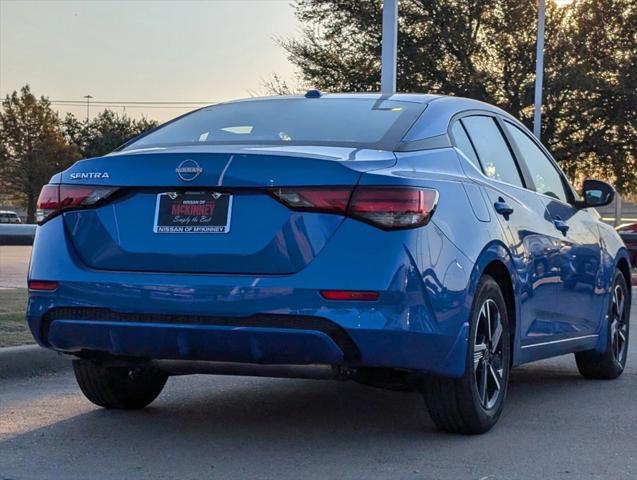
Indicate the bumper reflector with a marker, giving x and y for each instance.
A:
(349, 295)
(43, 285)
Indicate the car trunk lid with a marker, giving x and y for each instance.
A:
(262, 236)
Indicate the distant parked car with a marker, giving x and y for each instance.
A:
(629, 236)
(7, 216)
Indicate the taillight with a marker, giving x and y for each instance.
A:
(389, 208)
(54, 199)
(393, 207)
(315, 199)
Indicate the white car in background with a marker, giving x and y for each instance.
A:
(7, 216)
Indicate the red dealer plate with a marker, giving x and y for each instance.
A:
(207, 212)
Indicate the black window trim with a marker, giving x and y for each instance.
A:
(455, 141)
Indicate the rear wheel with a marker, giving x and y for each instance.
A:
(118, 387)
(473, 403)
(611, 363)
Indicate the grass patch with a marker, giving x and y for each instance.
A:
(13, 324)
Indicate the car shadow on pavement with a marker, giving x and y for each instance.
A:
(262, 408)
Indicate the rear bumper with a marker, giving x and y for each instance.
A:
(418, 323)
(201, 342)
(261, 339)
(265, 339)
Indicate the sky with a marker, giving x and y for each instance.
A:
(143, 51)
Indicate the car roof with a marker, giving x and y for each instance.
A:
(449, 101)
(8, 211)
(398, 97)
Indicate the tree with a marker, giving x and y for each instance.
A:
(104, 133)
(594, 128)
(32, 146)
(485, 49)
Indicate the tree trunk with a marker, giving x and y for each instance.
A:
(31, 204)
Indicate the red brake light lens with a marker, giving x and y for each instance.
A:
(315, 199)
(54, 199)
(393, 207)
(389, 208)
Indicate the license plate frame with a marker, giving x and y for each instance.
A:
(192, 213)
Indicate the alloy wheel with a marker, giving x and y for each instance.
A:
(619, 325)
(488, 365)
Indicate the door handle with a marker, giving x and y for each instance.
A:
(503, 208)
(561, 225)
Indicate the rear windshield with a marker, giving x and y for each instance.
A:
(363, 123)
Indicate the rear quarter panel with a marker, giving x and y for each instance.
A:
(463, 237)
(462, 214)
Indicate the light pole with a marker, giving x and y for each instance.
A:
(539, 68)
(88, 102)
(389, 44)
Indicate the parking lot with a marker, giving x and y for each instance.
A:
(556, 425)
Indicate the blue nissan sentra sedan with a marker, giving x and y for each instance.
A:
(404, 241)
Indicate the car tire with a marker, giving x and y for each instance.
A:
(118, 387)
(611, 363)
(467, 404)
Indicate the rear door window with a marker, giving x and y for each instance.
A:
(546, 177)
(495, 156)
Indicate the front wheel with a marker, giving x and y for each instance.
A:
(473, 403)
(118, 387)
(611, 363)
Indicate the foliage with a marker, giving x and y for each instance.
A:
(485, 49)
(104, 133)
(32, 146)
(275, 85)
(35, 143)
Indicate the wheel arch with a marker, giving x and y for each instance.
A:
(496, 261)
(623, 265)
(499, 272)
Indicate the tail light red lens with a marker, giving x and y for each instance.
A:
(54, 199)
(389, 208)
(315, 199)
(393, 207)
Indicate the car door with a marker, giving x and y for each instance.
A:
(580, 287)
(528, 230)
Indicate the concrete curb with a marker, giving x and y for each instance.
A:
(30, 361)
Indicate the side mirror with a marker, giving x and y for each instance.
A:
(596, 194)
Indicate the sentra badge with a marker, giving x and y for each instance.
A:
(84, 175)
